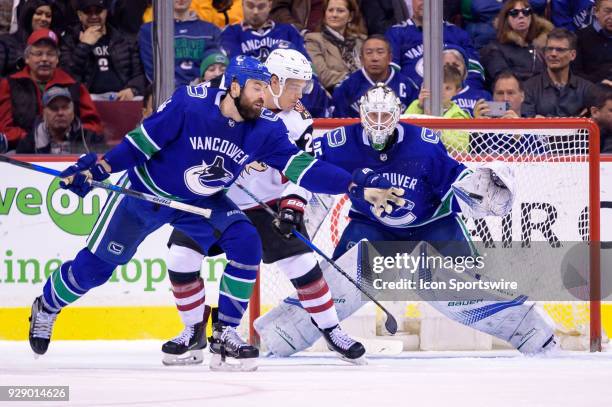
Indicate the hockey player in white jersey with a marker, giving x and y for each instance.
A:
(437, 188)
(291, 72)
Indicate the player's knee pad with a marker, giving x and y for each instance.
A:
(183, 278)
(89, 270)
(181, 259)
(314, 274)
(241, 244)
(298, 266)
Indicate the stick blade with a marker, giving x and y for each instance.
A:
(391, 324)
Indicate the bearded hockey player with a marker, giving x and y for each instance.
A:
(195, 145)
(436, 189)
(291, 72)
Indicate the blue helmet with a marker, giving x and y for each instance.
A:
(242, 68)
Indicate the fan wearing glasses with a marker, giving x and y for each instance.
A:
(557, 92)
(521, 37)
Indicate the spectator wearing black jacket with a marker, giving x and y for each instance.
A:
(601, 113)
(382, 14)
(100, 57)
(34, 15)
(557, 92)
(594, 49)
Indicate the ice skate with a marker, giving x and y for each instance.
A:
(186, 349)
(41, 327)
(349, 350)
(230, 352)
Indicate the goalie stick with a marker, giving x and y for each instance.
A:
(390, 322)
(115, 188)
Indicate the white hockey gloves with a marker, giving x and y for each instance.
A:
(376, 190)
(488, 191)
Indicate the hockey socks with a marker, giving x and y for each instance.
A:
(189, 299)
(235, 290)
(316, 299)
(73, 279)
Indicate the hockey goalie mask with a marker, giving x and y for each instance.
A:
(380, 110)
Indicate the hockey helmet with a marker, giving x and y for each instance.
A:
(242, 68)
(286, 64)
(380, 111)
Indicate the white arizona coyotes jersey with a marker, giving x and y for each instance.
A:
(267, 183)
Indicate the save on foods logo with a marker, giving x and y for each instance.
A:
(70, 213)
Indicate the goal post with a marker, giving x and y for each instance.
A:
(539, 149)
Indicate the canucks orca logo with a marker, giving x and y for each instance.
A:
(399, 217)
(208, 179)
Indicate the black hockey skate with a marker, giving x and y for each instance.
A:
(230, 352)
(186, 349)
(349, 349)
(41, 326)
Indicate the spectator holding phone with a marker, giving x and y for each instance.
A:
(507, 89)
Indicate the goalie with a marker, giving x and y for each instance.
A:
(437, 188)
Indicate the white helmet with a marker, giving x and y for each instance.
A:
(380, 111)
(288, 64)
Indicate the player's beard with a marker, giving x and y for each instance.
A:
(246, 108)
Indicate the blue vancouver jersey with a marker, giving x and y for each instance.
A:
(572, 14)
(188, 150)
(192, 38)
(417, 162)
(406, 41)
(468, 96)
(238, 39)
(350, 90)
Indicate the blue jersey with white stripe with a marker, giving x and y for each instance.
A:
(350, 90)
(417, 162)
(188, 149)
(238, 39)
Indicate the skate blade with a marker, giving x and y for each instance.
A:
(231, 364)
(360, 361)
(192, 357)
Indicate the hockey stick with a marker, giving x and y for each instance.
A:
(115, 188)
(390, 323)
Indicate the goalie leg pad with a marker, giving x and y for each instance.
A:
(288, 328)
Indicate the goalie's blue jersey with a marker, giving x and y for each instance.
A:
(417, 162)
(189, 150)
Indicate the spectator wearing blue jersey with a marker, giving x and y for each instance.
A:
(557, 92)
(212, 66)
(521, 37)
(406, 41)
(192, 38)
(470, 91)
(572, 14)
(335, 48)
(257, 35)
(594, 47)
(376, 59)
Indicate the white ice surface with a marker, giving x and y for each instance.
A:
(130, 373)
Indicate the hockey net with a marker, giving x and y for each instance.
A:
(556, 164)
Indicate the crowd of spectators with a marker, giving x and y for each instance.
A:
(542, 58)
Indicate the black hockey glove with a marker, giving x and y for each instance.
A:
(290, 215)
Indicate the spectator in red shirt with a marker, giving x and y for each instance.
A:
(21, 93)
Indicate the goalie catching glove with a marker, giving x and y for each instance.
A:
(488, 191)
(290, 215)
(76, 177)
(376, 190)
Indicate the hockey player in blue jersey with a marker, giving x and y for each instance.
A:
(190, 150)
(257, 35)
(436, 188)
(376, 60)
